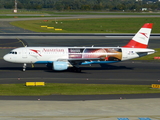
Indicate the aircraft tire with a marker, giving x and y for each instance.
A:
(75, 69)
(78, 70)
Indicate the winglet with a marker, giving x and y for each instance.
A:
(141, 39)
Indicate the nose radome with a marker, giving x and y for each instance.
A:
(6, 58)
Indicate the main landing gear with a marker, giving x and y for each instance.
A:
(24, 67)
(76, 69)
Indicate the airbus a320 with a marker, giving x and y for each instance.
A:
(62, 58)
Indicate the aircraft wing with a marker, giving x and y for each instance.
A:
(78, 61)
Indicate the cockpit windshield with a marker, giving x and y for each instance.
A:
(13, 52)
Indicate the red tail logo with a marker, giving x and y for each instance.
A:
(36, 51)
(145, 34)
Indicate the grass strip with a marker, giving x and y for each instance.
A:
(73, 89)
(103, 25)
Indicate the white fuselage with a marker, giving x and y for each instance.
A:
(44, 55)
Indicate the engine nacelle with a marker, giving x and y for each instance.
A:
(59, 65)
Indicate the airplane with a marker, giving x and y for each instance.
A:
(62, 58)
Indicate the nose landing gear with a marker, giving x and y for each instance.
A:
(24, 67)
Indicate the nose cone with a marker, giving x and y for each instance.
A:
(7, 58)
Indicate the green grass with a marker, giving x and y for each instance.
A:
(74, 89)
(103, 25)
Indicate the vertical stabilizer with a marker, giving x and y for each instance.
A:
(141, 38)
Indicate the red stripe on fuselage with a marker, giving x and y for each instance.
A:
(134, 44)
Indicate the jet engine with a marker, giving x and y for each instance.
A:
(60, 65)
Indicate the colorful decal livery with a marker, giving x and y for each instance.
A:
(105, 54)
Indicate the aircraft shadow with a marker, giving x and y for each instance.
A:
(11, 68)
(107, 67)
(102, 67)
(20, 68)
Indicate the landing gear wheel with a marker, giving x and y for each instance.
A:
(75, 69)
(78, 70)
(24, 67)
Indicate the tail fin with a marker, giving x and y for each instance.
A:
(141, 39)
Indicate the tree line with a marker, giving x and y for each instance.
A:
(78, 5)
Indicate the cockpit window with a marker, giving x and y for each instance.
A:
(12, 52)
